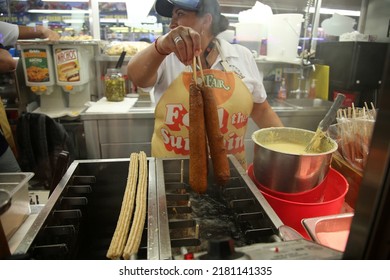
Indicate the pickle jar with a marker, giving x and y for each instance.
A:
(114, 84)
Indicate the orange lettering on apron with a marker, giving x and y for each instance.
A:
(170, 136)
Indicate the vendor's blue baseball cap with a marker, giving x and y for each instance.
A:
(165, 7)
(220, 23)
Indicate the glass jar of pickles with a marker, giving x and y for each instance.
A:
(114, 84)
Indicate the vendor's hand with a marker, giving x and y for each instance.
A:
(183, 41)
(50, 34)
(7, 63)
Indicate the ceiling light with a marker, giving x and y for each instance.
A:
(44, 11)
(76, 21)
(113, 20)
(65, 1)
(336, 11)
(230, 15)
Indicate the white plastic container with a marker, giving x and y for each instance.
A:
(251, 31)
(283, 36)
(251, 35)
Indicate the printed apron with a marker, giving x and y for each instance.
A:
(6, 129)
(234, 101)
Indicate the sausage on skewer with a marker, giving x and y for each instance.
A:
(215, 138)
(198, 143)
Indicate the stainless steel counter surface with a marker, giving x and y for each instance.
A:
(119, 110)
(117, 134)
(146, 108)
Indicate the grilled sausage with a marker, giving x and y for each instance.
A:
(215, 138)
(198, 143)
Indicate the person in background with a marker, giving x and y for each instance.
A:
(194, 29)
(10, 33)
(8, 162)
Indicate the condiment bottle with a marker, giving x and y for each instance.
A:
(282, 95)
(114, 84)
(312, 90)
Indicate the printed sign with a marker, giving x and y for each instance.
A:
(68, 65)
(37, 69)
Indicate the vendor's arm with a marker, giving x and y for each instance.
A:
(142, 68)
(264, 116)
(40, 32)
(7, 62)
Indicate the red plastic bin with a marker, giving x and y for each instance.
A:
(291, 212)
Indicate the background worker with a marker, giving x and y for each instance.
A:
(10, 33)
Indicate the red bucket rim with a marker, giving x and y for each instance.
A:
(332, 172)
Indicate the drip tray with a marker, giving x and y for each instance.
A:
(189, 220)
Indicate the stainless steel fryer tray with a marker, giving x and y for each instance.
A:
(177, 167)
(152, 219)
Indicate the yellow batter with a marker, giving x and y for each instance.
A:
(290, 148)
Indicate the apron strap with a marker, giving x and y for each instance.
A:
(224, 62)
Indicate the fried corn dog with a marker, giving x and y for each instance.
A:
(198, 143)
(139, 218)
(119, 238)
(218, 152)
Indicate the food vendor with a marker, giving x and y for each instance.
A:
(230, 69)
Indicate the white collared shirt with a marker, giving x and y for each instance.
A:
(9, 34)
(239, 58)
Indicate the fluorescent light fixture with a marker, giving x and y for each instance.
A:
(111, 1)
(113, 20)
(44, 11)
(65, 1)
(74, 21)
(156, 28)
(230, 15)
(336, 11)
(120, 29)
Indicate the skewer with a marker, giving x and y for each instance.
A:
(366, 106)
(182, 171)
(373, 110)
(354, 128)
(201, 70)
(194, 69)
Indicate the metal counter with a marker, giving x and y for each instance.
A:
(116, 135)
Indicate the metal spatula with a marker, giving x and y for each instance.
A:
(324, 124)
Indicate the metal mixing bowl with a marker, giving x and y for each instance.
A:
(287, 171)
